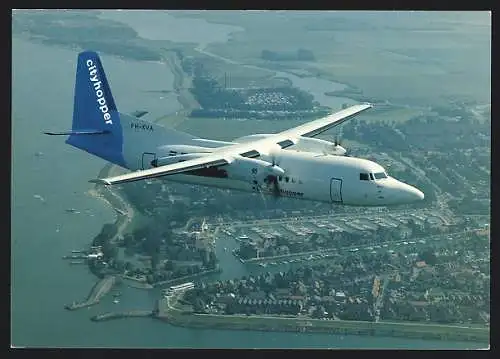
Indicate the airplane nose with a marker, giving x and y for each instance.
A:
(419, 195)
(405, 193)
(411, 194)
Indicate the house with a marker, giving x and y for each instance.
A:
(434, 294)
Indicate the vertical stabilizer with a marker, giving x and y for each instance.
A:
(95, 111)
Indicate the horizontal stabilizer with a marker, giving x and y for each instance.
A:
(77, 132)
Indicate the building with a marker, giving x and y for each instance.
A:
(179, 288)
(203, 239)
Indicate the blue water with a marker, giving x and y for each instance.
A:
(41, 282)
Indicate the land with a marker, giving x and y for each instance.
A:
(414, 271)
(100, 289)
(170, 310)
(420, 49)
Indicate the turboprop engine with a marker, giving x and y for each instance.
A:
(251, 169)
(241, 168)
(305, 144)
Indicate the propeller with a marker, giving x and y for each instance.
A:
(338, 149)
(274, 179)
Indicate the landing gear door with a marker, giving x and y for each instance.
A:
(336, 190)
(147, 158)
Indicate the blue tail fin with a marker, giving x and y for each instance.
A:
(95, 111)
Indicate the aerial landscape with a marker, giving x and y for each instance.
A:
(200, 265)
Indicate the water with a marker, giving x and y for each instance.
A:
(162, 25)
(41, 282)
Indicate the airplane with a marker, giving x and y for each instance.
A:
(291, 163)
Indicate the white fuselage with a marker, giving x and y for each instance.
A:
(310, 176)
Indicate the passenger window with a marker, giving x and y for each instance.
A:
(293, 180)
(363, 176)
(280, 178)
(371, 177)
(287, 179)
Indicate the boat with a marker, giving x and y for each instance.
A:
(37, 196)
(116, 301)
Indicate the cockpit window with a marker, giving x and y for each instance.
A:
(364, 177)
(380, 175)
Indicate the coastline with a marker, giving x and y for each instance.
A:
(124, 212)
(178, 317)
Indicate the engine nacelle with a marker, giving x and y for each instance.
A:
(305, 144)
(168, 160)
(241, 168)
(251, 169)
(316, 145)
(183, 149)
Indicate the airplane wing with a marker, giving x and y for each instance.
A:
(225, 155)
(314, 128)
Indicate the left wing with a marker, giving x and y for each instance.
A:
(225, 155)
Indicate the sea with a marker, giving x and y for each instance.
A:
(49, 177)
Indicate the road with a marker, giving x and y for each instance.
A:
(229, 61)
(380, 298)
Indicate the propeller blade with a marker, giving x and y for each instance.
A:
(276, 188)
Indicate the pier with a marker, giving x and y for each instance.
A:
(118, 315)
(101, 288)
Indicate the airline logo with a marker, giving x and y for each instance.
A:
(101, 100)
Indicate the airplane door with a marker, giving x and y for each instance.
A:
(147, 157)
(336, 190)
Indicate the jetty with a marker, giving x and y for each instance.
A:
(100, 289)
(119, 315)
